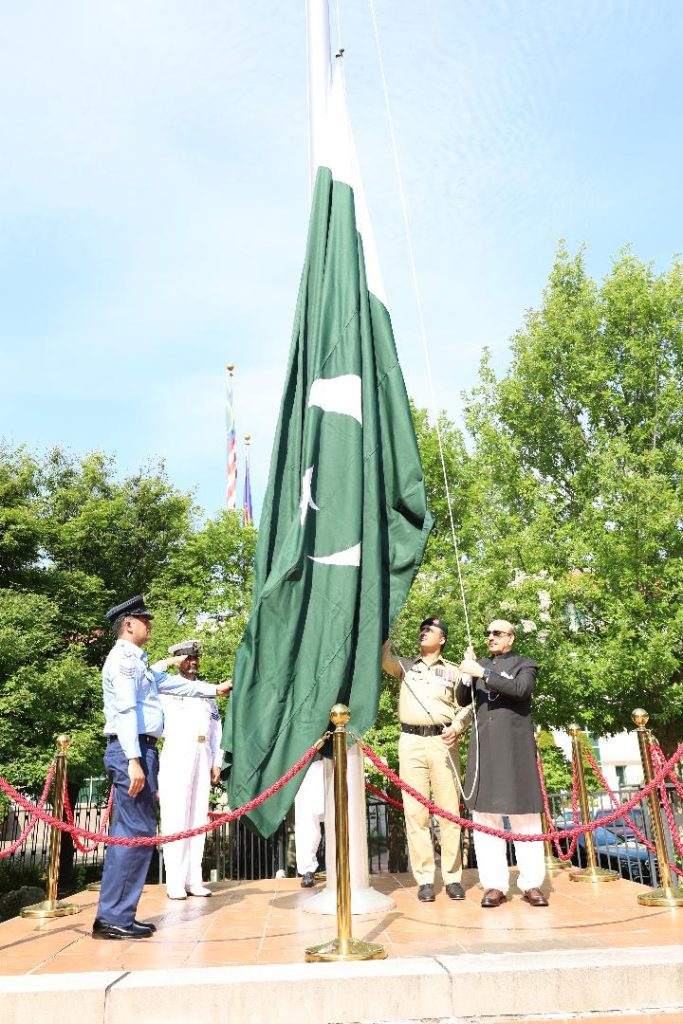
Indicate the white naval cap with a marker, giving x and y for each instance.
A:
(186, 648)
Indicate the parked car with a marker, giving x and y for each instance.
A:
(616, 845)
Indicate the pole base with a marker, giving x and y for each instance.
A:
(354, 949)
(95, 886)
(553, 866)
(594, 875)
(662, 898)
(50, 908)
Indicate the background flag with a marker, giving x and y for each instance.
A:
(344, 521)
(231, 471)
(246, 500)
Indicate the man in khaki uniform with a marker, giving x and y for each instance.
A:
(431, 723)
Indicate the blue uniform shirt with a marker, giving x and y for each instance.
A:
(131, 695)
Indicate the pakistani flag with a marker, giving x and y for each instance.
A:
(344, 523)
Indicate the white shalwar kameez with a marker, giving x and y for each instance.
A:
(192, 738)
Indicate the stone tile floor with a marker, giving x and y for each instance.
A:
(264, 922)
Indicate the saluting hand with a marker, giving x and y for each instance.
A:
(223, 689)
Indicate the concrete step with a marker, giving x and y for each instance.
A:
(472, 988)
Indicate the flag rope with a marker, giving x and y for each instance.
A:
(420, 315)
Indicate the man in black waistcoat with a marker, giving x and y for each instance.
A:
(507, 778)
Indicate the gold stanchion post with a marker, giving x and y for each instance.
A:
(552, 863)
(52, 907)
(591, 873)
(344, 947)
(668, 895)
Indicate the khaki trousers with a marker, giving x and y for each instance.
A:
(424, 765)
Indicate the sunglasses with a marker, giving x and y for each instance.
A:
(497, 632)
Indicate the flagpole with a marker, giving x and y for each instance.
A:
(364, 899)
(319, 77)
(231, 440)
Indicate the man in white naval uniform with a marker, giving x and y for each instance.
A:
(309, 812)
(189, 764)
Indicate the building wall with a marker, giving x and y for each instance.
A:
(618, 757)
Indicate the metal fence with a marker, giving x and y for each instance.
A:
(236, 851)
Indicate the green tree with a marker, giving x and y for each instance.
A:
(578, 453)
(76, 539)
(567, 504)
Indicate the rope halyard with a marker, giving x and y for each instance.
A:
(420, 315)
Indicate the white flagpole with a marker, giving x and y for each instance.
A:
(364, 899)
(319, 78)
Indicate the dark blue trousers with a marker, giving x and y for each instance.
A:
(125, 867)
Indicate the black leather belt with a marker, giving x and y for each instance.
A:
(422, 730)
(143, 737)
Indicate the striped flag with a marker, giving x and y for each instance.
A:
(231, 475)
(246, 501)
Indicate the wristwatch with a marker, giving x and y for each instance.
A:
(486, 674)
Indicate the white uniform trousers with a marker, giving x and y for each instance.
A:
(184, 786)
(309, 811)
(491, 851)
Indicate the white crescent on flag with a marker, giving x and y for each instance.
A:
(341, 395)
(338, 394)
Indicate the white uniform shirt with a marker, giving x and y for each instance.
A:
(192, 720)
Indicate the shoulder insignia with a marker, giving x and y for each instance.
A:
(215, 714)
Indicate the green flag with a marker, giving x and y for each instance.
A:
(344, 522)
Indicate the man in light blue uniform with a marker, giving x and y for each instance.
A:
(134, 721)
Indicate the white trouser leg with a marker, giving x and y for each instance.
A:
(530, 856)
(197, 815)
(175, 780)
(309, 809)
(491, 851)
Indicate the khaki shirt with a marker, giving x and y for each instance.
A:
(430, 691)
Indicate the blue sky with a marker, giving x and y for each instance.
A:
(154, 193)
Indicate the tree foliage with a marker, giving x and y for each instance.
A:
(74, 540)
(566, 499)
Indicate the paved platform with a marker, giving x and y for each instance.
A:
(593, 949)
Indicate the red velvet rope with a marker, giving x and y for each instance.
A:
(103, 823)
(103, 837)
(575, 809)
(34, 819)
(658, 759)
(552, 835)
(383, 796)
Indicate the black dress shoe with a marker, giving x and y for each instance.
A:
(307, 880)
(455, 891)
(493, 898)
(425, 893)
(535, 898)
(140, 927)
(146, 924)
(104, 930)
